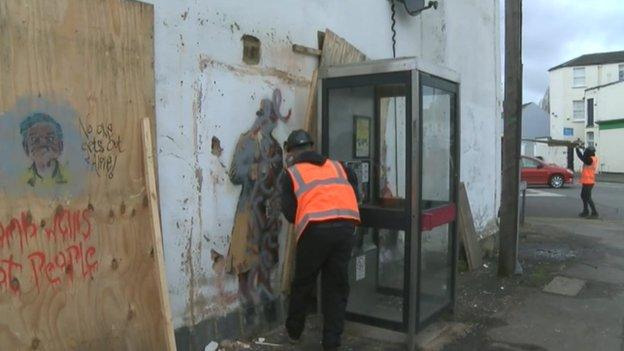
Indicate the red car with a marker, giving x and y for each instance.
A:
(536, 172)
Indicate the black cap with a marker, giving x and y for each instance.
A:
(298, 138)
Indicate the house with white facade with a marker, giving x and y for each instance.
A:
(605, 124)
(570, 111)
(229, 90)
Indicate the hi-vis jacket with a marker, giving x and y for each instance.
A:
(323, 193)
(588, 175)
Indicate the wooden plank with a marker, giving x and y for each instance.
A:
(467, 231)
(149, 166)
(310, 121)
(77, 248)
(335, 50)
(304, 50)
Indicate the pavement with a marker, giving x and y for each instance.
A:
(570, 296)
(611, 177)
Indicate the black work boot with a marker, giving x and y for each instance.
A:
(594, 215)
(584, 214)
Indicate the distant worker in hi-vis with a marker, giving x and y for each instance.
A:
(588, 180)
(319, 197)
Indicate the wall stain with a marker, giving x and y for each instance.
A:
(190, 270)
(216, 148)
(200, 179)
(197, 110)
(234, 26)
(285, 77)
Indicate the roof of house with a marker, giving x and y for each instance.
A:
(605, 85)
(535, 122)
(600, 58)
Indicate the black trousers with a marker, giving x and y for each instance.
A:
(325, 248)
(586, 196)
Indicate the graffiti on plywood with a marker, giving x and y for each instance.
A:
(102, 146)
(40, 150)
(42, 140)
(69, 231)
(253, 251)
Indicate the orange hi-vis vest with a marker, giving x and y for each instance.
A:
(588, 175)
(323, 193)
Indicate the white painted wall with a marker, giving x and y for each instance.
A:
(608, 102)
(203, 89)
(609, 150)
(608, 106)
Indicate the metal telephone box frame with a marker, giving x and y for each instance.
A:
(414, 72)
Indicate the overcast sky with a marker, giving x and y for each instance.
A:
(556, 31)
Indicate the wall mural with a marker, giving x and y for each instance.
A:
(40, 150)
(254, 247)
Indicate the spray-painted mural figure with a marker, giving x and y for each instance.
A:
(42, 139)
(254, 247)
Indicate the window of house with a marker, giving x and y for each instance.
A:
(621, 69)
(578, 110)
(568, 131)
(579, 76)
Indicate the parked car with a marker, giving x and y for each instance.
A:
(537, 172)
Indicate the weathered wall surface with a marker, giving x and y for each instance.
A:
(608, 106)
(208, 101)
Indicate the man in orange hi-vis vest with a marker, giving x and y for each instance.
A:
(588, 180)
(319, 197)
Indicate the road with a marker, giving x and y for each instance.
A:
(566, 202)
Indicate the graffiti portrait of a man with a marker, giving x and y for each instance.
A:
(42, 140)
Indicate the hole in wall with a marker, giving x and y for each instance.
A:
(251, 49)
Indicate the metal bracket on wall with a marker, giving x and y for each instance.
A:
(413, 8)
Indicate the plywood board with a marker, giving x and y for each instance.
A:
(335, 51)
(467, 231)
(338, 51)
(78, 261)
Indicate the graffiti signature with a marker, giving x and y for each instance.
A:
(102, 148)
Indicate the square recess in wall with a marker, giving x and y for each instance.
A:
(251, 49)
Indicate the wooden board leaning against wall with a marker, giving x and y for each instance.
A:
(335, 51)
(78, 265)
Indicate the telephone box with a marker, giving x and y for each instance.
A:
(396, 122)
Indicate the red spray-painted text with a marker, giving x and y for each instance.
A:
(69, 230)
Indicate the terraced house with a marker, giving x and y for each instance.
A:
(586, 103)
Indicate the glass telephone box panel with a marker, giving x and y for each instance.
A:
(396, 127)
(437, 192)
(366, 127)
